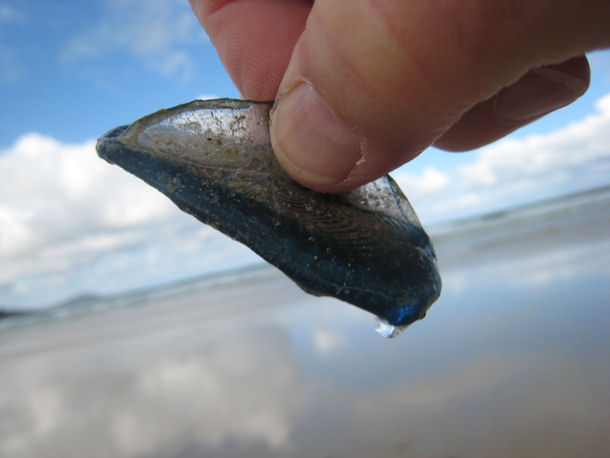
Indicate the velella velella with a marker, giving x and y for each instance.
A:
(214, 160)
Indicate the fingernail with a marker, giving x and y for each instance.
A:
(539, 92)
(310, 141)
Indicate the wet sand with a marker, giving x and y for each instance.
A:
(512, 361)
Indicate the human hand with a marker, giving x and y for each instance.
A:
(363, 86)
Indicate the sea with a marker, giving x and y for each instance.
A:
(512, 360)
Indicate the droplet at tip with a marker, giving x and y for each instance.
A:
(387, 330)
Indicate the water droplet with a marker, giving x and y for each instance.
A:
(386, 329)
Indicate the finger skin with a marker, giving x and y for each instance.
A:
(401, 75)
(254, 38)
(482, 124)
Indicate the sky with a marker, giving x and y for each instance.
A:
(71, 224)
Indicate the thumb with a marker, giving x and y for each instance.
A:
(371, 86)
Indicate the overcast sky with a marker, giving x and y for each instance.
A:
(71, 70)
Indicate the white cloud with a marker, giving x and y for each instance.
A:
(431, 182)
(207, 97)
(580, 143)
(70, 223)
(155, 31)
(53, 193)
(515, 171)
(61, 209)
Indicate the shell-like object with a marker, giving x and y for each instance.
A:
(213, 158)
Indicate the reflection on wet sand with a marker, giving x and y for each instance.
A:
(199, 386)
(512, 361)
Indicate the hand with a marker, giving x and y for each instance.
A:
(363, 86)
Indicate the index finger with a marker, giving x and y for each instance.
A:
(254, 39)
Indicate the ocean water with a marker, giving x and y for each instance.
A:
(513, 360)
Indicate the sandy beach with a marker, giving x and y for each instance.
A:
(511, 361)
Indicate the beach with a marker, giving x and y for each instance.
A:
(512, 360)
